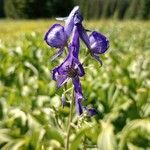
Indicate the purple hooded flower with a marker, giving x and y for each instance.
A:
(71, 68)
(57, 36)
(96, 42)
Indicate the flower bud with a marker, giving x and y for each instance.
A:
(56, 36)
(98, 43)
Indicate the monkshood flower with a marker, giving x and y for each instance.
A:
(71, 68)
(57, 36)
(96, 42)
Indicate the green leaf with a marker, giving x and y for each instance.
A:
(106, 139)
(78, 136)
(52, 133)
(132, 131)
(4, 136)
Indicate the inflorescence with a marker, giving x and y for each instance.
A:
(58, 37)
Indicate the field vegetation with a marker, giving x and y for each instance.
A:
(31, 113)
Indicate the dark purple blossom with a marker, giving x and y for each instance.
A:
(57, 36)
(71, 68)
(96, 42)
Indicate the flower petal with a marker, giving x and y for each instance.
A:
(61, 79)
(98, 42)
(78, 95)
(69, 24)
(83, 35)
(79, 108)
(74, 51)
(75, 39)
(82, 32)
(78, 18)
(79, 67)
(61, 18)
(56, 36)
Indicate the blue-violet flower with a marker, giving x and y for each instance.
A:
(71, 68)
(57, 36)
(96, 42)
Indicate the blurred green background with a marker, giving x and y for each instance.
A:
(91, 9)
(31, 114)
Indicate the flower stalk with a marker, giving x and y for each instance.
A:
(69, 122)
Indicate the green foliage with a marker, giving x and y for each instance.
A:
(106, 139)
(31, 115)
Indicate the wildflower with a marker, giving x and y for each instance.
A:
(71, 68)
(57, 36)
(96, 42)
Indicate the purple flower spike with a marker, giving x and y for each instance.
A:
(71, 68)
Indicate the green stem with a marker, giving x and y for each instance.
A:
(69, 123)
(84, 143)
